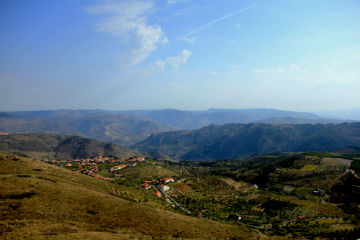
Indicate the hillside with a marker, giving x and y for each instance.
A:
(47, 145)
(240, 140)
(122, 129)
(74, 206)
(311, 195)
(197, 119)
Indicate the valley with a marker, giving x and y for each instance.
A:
(179, 119)
(295, 195)
(231, 181)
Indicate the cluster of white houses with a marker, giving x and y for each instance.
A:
(161, 187)
(132, 163)
(90, 166)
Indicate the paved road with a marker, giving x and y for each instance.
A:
(172, 200)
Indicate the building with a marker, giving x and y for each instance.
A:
(167, 180)
(119, 167)
(158, 194)
(147, 186)
(136, 159)
(164, 187)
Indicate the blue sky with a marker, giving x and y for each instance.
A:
(185, 54)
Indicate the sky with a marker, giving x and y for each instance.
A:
(300, 55)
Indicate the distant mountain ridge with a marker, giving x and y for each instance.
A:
(242, 140)
(197, 119)
(292, 120)
(121, 129)
(61, 147)
(127, 128)
(353, 114)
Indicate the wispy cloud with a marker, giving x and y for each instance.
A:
(307, 76)
(174, 61)
(231, 42)
(191, 39)
(214, 21)
(128, 20)
(175, 1)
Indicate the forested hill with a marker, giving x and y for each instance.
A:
(60, 147)
(241, 140)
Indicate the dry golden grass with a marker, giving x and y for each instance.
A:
(40, 201)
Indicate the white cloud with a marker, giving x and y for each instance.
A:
(128, 20)
(174, 61)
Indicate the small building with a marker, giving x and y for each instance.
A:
(68, 164)
(164, 187)
(147, 186)
(167, 180)
(136, 158)
(119, 167)
(158, 194)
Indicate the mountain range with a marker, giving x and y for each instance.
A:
(48, 145)
(231, 141)
(127, 128)
(118, 128)
(198, 119)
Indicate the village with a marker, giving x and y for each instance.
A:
(90, 167)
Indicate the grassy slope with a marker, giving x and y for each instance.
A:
(42, 201)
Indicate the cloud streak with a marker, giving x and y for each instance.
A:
(129, 21)
(214, 21)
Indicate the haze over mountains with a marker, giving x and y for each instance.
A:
(47, 145)
(243, 140)
(353, 114)
(129, 127)
(197, 119)
(122, 129)
(208, 135)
